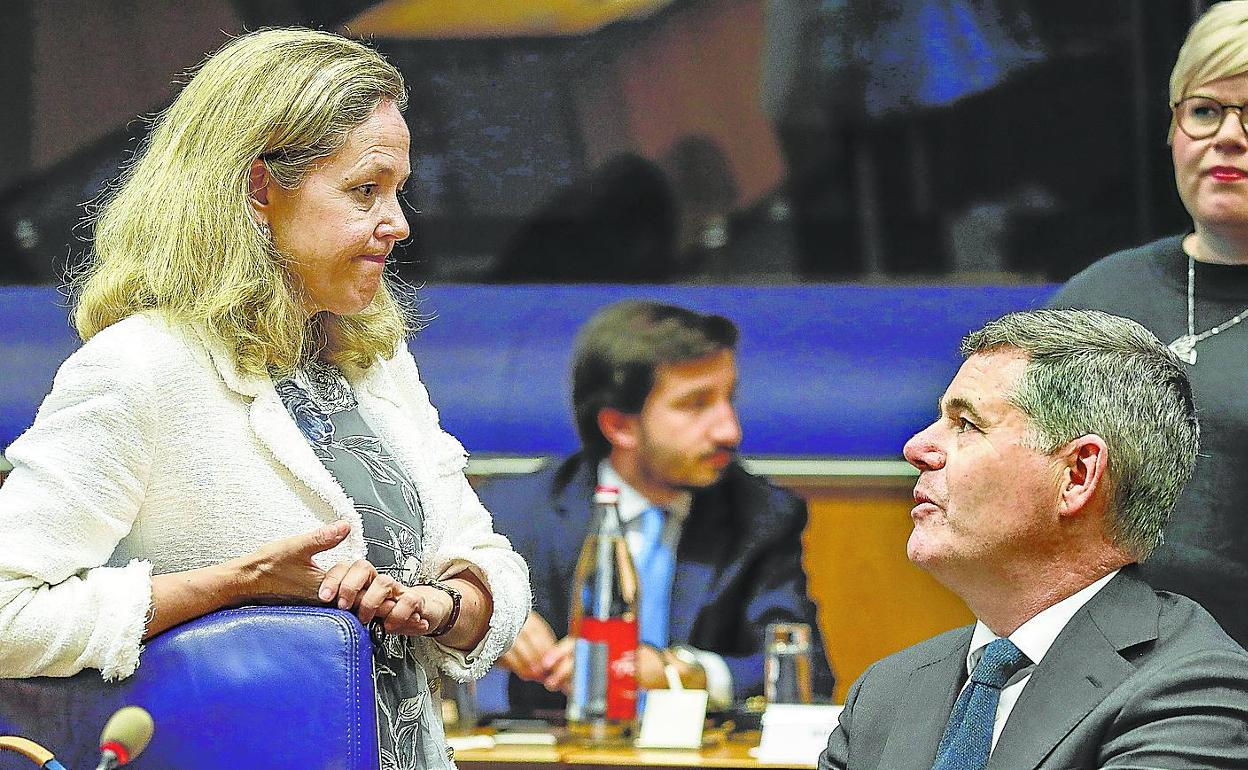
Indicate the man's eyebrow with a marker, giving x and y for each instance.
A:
(959, 404)
(696, 392)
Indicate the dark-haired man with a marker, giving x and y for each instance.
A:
(1054, 460)
(718, 550)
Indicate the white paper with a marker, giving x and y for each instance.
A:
(525, 739)
(673, 719)
(469, 742)
(796, 733)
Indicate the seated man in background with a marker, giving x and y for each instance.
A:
(1058, 452)
(718, 550)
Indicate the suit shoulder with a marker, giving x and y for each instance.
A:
(884, 684)
(1185, 625)
(523, 484)
(522, 497)
(937, 648)
(750, 504)
(740, 482)
(139, 346)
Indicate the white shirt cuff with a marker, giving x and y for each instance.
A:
(718, 679)
(465, 659)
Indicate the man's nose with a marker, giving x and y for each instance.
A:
(923, 452)
(727, 428)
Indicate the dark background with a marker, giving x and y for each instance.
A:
(661, 149)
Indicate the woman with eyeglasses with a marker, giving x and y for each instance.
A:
(1191, 290)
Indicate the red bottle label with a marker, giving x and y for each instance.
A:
(620, 636)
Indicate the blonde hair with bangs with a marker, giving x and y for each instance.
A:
(1216, 47)
(177, 234)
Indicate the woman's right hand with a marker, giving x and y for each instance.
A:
(283, 570)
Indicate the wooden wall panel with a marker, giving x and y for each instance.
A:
(872, 600)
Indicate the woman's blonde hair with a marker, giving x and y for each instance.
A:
(1216, 47)
(176, 233)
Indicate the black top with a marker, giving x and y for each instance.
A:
(1205, 552)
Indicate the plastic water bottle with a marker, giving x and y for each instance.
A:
(602, 706)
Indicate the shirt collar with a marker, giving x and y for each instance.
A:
(632, 502)
(1037, 635)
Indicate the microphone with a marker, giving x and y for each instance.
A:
(124, 737)
(31, 751)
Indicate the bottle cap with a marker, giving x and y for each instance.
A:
(604, 494)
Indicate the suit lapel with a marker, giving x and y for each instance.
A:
(690, 586)
(693, 578)
(574, 502)
(1082, 667)
(928, 700)
(702, 569)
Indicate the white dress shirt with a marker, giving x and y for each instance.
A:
(631, 505)
(1034, 638)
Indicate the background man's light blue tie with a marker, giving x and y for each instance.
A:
(968, 736)
(655, 566)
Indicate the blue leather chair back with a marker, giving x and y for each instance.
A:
(272, 687)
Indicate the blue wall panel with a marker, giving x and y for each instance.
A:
(829, 371)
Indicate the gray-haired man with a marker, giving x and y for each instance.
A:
(1056, 457)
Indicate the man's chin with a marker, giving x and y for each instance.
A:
(702, 479)
(921, 552)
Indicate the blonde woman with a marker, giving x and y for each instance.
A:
(1191, 290)
(244, 421)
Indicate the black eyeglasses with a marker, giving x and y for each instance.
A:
(1200, 117)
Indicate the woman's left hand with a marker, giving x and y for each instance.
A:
(410, 610)
(416, 611)
(358, 587)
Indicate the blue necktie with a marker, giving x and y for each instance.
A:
(655, 566)
(968, 736)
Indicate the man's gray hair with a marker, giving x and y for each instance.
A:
(1090, 372)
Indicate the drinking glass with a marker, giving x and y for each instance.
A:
(787, 664)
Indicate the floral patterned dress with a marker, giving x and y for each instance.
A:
(320, 401)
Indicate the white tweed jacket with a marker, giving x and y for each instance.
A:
(153, 453)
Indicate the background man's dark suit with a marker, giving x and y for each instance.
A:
(1137, 679)
(738, 566)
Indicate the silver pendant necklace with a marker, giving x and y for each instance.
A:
(1185, 347)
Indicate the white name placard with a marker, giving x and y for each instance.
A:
(673, 719)
(796, 732)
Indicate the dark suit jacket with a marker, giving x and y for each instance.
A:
(1137, 679)
(738, 566)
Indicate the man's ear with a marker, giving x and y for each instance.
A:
(618, 428)
(258, 181)
(1084, 473)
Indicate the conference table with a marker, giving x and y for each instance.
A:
(732, 754)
